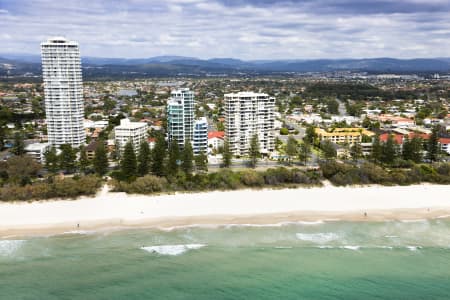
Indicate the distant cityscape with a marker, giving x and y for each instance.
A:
(237, 122)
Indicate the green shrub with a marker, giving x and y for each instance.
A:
(251, 178)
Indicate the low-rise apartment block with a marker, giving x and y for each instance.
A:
(136, 132)
(348, 136)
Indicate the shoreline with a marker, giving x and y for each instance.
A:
(110, 211)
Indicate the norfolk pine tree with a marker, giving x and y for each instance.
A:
(18, 144)
(83, 162)
(226, 154)
(201, 162)
(143, 159)
(186, 157)
(67, 158)
(100, 161)
(433, 144)
(253, 151)
(51, 160)
(128, 164)
(174, 158)
(159, 155)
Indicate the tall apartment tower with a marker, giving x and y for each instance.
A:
(180, 116)
(247, 114)
(63, 91)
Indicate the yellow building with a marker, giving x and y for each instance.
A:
(343, 135)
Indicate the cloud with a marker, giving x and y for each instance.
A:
(254, 29)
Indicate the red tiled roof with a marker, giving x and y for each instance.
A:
(444, 140)
(216, 134)
(398, 138)
(424, 136)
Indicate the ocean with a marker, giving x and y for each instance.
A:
(305, 260)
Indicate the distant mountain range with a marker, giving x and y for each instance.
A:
(95, 67)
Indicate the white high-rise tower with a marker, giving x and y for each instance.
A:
(63, 89)
(248, 114)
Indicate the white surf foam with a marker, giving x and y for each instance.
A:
(9, 247)
(391, 236)
(443, 217)
(319, 238)
(415, 221)
(172, 250)
(311, 222)
(413, 248)
(354, 248)
(83, 232)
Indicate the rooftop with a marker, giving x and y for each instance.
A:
(127, 124)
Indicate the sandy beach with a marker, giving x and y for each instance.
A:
(110, 211)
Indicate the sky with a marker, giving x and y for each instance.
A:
(253, 29)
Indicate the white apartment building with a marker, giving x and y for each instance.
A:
(200, 137)
(37, 151)
(180, 116)
(63, 91)
(247, 114)
(136, 132)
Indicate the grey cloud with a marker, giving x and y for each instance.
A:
(241, 29)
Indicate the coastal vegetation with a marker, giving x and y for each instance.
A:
(224, 179)
(52, 188)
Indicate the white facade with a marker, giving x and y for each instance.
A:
(180, 116)
(215, 143)
(136, 132)
(200, 138)
(37, 151)
(247, 114)
(63, 90)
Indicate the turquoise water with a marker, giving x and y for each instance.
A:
(323, 260)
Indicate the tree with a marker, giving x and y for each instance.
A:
(333, 107)
(433, 144)
(201, 162)
(100, 160)
(186, 157)
(51, 160)
(291, 148)
(18, 144)
(226, 155)
(83, 162)
(310, 134)
(128, 164)
(143, 159)
(356, 151)
(159, 155)
(304, 152)
(366, 122)
(388, 151)
(253, 151)
(376, 149)
(67, 158)
(412, 149)
(284, 131)
(174, 158)
(20, 169)
(3, 130)
(328, 150)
